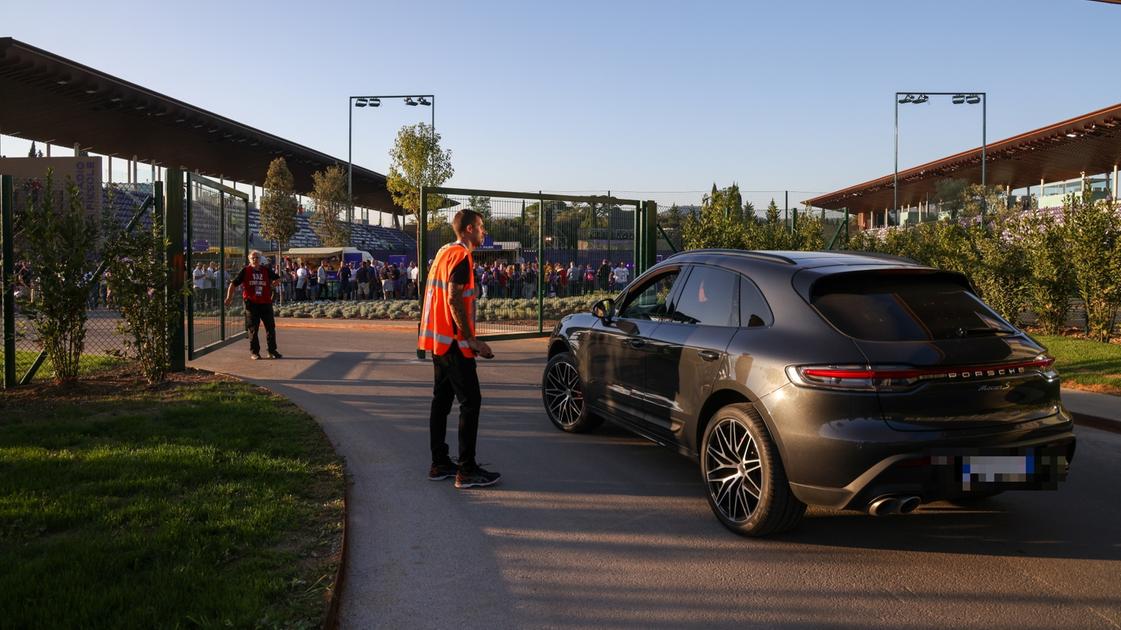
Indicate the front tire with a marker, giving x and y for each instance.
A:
(562, 392)
(743, 474)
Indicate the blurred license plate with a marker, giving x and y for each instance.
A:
(1029, 470)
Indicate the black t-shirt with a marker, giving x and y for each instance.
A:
(256, 284)
(362, 275)
(461, 274)
(344, 273)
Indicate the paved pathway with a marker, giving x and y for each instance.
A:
(606, 530)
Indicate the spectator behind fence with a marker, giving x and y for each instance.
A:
(414, 278)
(362, 277)
(344, 281)
(622, 275)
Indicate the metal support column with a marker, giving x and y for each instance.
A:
(222, 265)
(190, 266)
(422, 258)
(6, 281)
(171, 205)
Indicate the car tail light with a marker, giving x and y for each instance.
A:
(886, 378)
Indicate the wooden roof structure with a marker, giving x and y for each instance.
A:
(50, 98)
(1089, 144)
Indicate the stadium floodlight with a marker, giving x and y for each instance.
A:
(957, 98)
(360, 102)
(410, 102)
(424, 101)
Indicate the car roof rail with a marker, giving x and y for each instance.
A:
(889, 257)
(745, 253)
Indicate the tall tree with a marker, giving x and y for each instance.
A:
(278, 203)
(330, 199)
(417, 160)
(479, 204)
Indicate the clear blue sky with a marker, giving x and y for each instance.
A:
(622, 96)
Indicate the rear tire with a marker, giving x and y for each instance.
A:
(743, 474)
(562, 393)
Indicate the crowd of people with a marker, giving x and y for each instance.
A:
(519, 280)
(335, 280)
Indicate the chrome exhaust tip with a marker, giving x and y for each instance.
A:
(883, 506)
(908, 504)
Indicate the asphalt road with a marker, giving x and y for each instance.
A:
(609, 531)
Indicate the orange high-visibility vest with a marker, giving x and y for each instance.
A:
(437, 333)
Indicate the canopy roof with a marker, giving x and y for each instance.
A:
(1088, 144)
(50, 98)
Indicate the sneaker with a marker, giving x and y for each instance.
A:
(273, 354)
(254, 356)
(475, 478)
(442, 471)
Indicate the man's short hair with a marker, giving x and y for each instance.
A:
(256, 251)
(464, 218)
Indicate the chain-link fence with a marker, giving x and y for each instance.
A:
(123, 206)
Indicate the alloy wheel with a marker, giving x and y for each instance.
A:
(564, 396)
(733, 470)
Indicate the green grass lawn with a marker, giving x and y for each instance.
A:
(88, 364)
(1086, 364)
(203, 502)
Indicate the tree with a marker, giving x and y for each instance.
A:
(331, 200)
(279, 204)
(416, 160)
(1094, 250)
(479, 204)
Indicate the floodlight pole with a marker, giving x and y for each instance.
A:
(428, 100)
(909, 97)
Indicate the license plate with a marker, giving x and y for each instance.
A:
(1031, 470)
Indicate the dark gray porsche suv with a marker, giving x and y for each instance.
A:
(841, 380)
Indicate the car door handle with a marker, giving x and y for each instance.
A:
(636, 343)
(709, 355)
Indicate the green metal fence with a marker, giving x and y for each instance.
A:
(217, 241)
(542, 252)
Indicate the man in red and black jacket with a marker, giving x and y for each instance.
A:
(256, 282)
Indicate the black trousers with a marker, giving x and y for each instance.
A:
(255, 315)
(456, 378)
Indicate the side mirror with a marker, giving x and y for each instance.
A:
(604, 309)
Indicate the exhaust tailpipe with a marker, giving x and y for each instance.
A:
(908, 504)
(883, 506)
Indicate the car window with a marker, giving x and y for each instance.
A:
(904, 307)
(754, 311)
(650, 301)
(709, 298)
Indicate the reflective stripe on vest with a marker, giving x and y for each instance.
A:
(437, 330)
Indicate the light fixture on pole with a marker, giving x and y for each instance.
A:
(957, 98)
(428, 100)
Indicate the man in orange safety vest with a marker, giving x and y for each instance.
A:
(447, 330)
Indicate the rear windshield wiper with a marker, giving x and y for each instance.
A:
(983, 330)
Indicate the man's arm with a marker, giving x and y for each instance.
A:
(459, 316)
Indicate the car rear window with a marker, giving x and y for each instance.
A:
(902, 306)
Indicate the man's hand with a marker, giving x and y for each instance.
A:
(228, 300)
(480, 348)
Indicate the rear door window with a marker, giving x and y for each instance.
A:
(893, 306)
(754, 311)
(709, 298)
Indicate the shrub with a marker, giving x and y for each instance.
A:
(1050, 278)
(1095, 259)
(60, 236)
(138, 279)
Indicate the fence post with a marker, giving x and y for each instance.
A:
(636, 239)
(651, 229)
(6, 278)
(189, 218)
(540, 264)
(422, 259)
(171, 205)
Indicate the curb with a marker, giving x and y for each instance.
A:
(1094, 422)
(331, 619)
